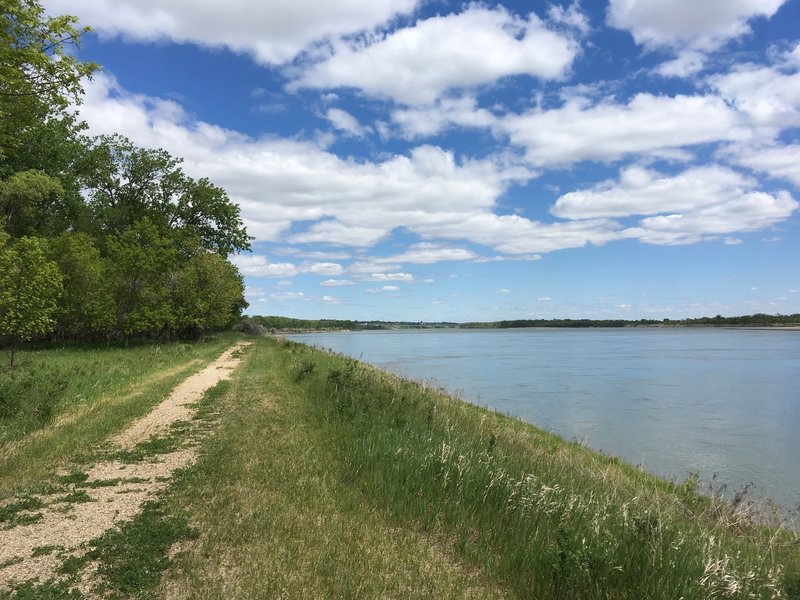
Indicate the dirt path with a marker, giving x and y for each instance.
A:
(111, 492)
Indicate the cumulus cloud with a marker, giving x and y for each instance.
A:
(768, 95)
(344, 121)
(257, 265)
(324, 268)
(390, 277)
(272, 32)
(336, 282)
(427, 253)
(298, 192)
(609, 131)
(419, 64)
(688, 27)
(698, 204)
(749, 212)
(431, 119)
(776, 160)
(642, 191)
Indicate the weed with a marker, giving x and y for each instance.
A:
(41, 591)
(44, 550)
(11, 561)
(18, 512)
(132, 557)
(77, 496)
(76, 477)
(304, 371)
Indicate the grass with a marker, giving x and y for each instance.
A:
(58, 405)
(323, 477)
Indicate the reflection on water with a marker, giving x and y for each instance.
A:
(712, 401)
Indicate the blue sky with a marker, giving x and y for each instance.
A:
(435, 160)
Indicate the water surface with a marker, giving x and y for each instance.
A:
(722, 403)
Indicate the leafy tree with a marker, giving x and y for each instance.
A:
(127, 184)
(39, 73)
(29, 288)
(209, 294)
(204, 212)
(86, 307)
(29, 203)
(143, 261)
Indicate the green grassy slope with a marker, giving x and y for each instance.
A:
(329, 478)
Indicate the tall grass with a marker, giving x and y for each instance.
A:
(547, 518)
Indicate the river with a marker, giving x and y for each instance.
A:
(722, 403)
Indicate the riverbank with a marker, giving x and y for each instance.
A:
(319, 476)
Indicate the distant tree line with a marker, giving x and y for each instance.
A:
(274, 324)
(757, 320)
(259, 325)
(99, 238)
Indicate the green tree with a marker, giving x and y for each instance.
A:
(86, 308)
(29, 203)
(39, 73)
(209, 294)
(29, 288)
(127, 184)
(142, 263)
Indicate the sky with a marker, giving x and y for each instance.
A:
(429, 160)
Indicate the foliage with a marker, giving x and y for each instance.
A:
(128, 184)
(129, 231)
(209, 293)
(27, 202)
(29, 287)
(39, 73)
(86, 308)
(143, 262)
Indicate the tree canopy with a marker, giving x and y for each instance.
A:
(99, 238)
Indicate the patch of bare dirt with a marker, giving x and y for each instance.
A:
(64, 527)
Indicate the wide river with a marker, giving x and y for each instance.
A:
(723, 403)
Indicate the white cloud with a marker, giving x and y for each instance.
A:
(390, 277)
(383, 290)
(570, 17)
(417, 65)
(513, 234)
(335, 232)
(748, 212)
(692, 28)
(776, 161)
(332, 300)
(272, 32)
(609, 131)
(700, 203)
(344, 121)
(427, 253)
(257, 265)
(323, 268)
(504, 291)
(429, 191)
(768, 95)
(289, 296)
(428, 120)
(642, 191)
(336, 282)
